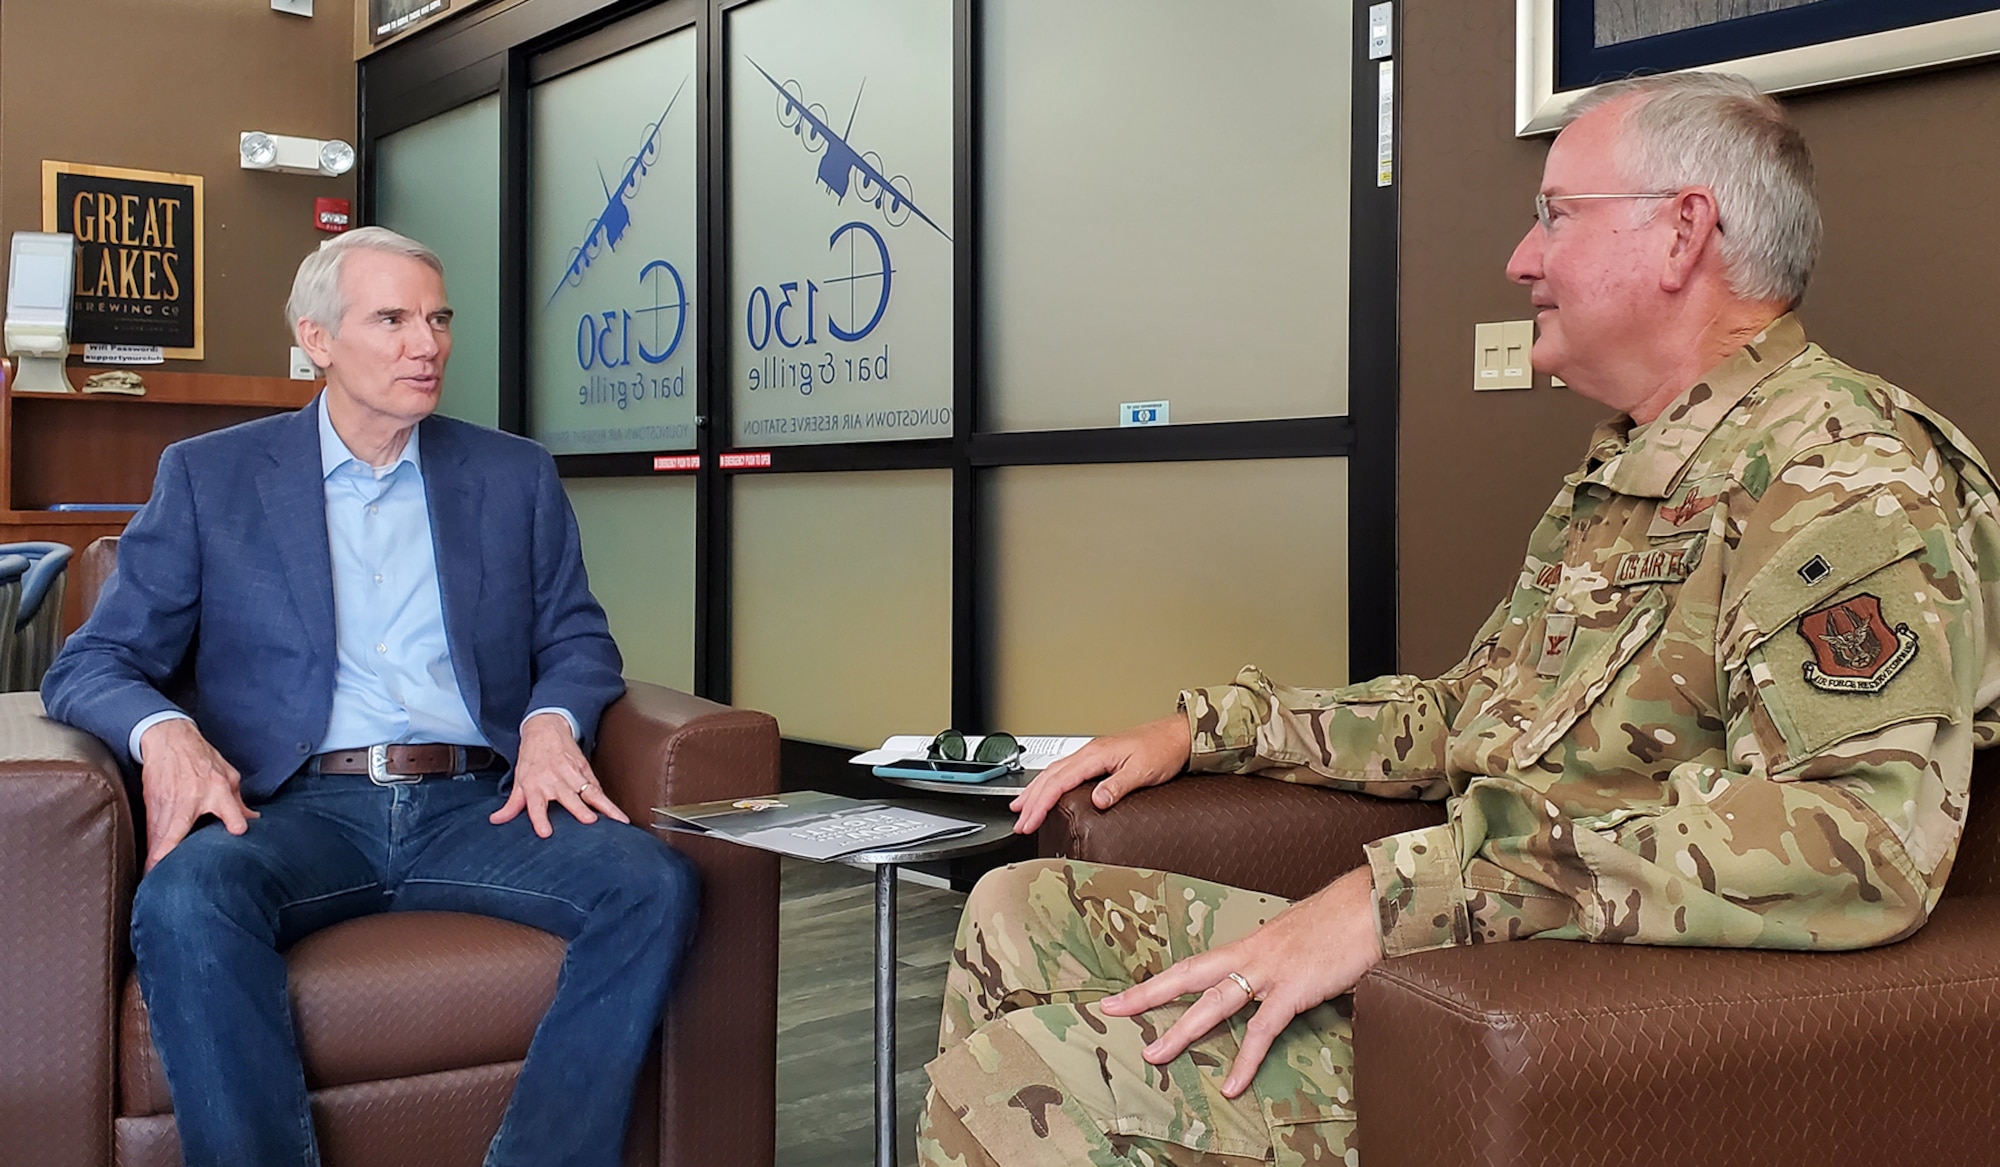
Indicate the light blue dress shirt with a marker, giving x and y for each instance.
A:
(393, 681)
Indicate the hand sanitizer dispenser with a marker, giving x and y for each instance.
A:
(39, 277)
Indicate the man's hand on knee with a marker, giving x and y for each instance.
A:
(184, 778)
(1144, 756)
(552, 769)
(1312, 952)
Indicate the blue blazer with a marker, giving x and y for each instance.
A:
(230, 558)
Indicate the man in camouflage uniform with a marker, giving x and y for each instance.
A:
(1731, 700)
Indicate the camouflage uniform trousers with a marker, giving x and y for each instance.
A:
(1031, 1073)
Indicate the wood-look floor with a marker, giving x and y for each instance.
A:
(826, 1018)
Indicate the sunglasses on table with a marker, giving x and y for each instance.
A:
(993, 749)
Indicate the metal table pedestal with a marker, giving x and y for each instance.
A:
(997, 832)
(885, 1015)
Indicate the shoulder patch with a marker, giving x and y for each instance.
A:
(1854, 649)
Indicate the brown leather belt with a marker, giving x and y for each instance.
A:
(398, 763)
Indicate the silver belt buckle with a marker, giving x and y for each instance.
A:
(378, 769)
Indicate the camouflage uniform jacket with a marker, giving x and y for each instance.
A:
(1732, 699)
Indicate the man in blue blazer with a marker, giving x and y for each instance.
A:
(397, 666)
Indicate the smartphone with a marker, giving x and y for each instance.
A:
(941, 771)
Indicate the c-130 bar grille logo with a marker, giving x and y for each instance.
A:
(842, 167)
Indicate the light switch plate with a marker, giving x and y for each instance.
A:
(295, 7)
(1500, 355)
(302, 366)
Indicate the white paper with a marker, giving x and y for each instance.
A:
(1041, 752)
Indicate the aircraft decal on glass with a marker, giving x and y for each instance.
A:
(610, 225)
(843, 164)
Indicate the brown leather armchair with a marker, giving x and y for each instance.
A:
(413, 1025)
(1557, 1054)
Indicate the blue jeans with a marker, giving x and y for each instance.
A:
(210, 922)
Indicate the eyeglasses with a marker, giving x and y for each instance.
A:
(1542, 201)
(993, 749)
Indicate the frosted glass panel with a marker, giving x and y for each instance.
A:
(439, 182)
(638, 545)
(842, 603)
(1165, 210)
(1111, 588)
(840, 171)
(611, 334)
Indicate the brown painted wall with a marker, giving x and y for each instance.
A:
(1909, 175)
(169, 86)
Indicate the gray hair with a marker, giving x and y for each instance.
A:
(316, 289)
(1720, 131)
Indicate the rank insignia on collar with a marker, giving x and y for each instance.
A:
(1815, 570)
(1854, 649)
(1558, 631)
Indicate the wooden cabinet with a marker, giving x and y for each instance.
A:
(104, 447)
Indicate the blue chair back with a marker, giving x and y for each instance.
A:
(35, 619)
(12, 568)
(46, 564)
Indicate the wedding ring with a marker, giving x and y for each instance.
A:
(1243, 983)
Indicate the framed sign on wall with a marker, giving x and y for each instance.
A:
(1564, 47)
(380, 23)
(386, 18)
(139, 254)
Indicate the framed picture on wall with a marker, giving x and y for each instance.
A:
(379, 22)
(1565, 47)
(139, 278)
(386, 18)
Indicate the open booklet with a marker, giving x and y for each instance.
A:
(1040, 753)
(811, 825)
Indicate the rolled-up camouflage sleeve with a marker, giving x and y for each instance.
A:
(1384, 737)
(1853, 647)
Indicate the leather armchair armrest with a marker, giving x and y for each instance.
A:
(66, 877)
(1256, 833)
(1558, 1053)
(718, 1070)
(93, 571)
(657, 747)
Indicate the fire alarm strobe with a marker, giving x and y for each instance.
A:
(330, 214)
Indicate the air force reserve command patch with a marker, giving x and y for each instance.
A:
(1854, 649)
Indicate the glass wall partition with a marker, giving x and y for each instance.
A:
(927, 362)
(842, 603)
(840, 220)
(1110, 588)
(612, 252)
(1165, 208)
(439, 182)
(638, 544)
